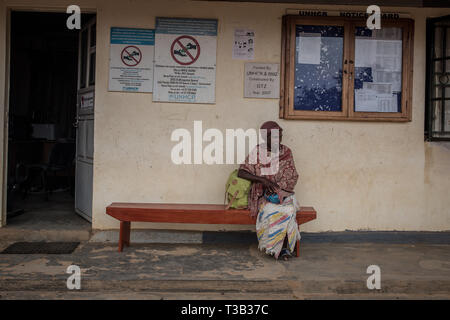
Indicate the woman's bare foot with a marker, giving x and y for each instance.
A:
(285, 254)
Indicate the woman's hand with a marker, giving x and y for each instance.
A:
(269, 185)
(282, 194)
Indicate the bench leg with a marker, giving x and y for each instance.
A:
(127, 233)
(124, 234)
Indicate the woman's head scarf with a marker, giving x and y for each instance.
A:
(269, 125)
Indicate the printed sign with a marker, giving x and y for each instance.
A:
(244, 44)
(131, 56)
(344, 13)
(87, 100)
(185, 60)
(185, 50)
(131, 60)
(262, 80)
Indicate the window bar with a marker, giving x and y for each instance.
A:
(431, 90)
(444, 51)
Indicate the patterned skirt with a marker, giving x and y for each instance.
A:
(274, 223)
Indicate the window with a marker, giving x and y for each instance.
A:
(437, 115)
(84, 41)
(87, 47)
(336, 68)
(93, 40)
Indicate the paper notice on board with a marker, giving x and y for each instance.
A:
(379, 54)
(395, 78)
(389, 47)
(244, 44)
(382, 88)
(367, 100)
(309, 49)
(365, 53)
(389, 63)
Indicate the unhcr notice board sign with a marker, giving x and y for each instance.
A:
(131, 60)
(344, 13)
(185, 60)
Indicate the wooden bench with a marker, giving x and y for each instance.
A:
(186, 213)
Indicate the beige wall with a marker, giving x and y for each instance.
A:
(359, 176)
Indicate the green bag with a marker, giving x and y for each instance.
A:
(236, 191)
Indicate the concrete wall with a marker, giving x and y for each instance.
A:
(358, 175)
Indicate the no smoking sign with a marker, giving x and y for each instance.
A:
(185, 50)
(131, 56)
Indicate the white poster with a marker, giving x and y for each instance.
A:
(262, 80)
(185, 60)
(244, 44)
(309, 48)
(131, 60)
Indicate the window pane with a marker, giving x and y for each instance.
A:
(93, 35)
(436, 116)
(84, 39)
(437, 93)
(438, 66)
(441, 122)
(378, 70)
(92, 69)
(318, 68)
(447, 117)
(438, 42)
(442, 79)
(447, 47)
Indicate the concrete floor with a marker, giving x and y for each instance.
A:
(210, 265)
(230, 271)
(53, 220)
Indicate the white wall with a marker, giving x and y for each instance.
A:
(358, 175)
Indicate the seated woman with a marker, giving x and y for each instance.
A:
(271, 197)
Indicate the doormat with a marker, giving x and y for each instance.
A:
(41, 248)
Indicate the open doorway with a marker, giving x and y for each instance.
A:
(44, 104)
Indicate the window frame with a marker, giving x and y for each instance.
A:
(347, 113)
(430, 61)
